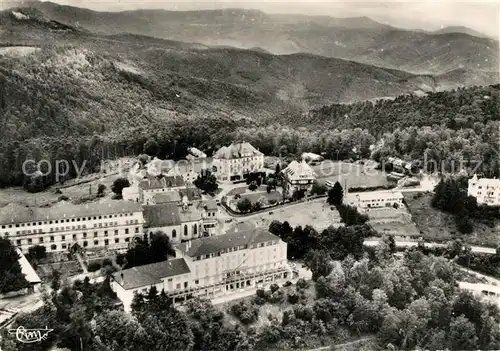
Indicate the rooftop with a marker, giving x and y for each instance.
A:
(213, 244)
(161, 182)
(368, 195)
(237, 150)
(150, 274)
(209, 205)
(163, 215)
(299, 170)
(167, 197)
(27, 269)
(16, 213)
(190, 214)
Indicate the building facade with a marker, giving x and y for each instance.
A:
(485, 190)
(179, 223)
(210, 267)
(298, 176)
(110, 225)
(375, 199)
(236, 161)
(157, 185)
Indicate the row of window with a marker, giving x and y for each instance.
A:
(54, 247)
(378, 200)
(77, 219)
(74, 236)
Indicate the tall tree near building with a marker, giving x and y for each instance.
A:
(207, 182)
(11, 277)
(336, 194)
(118, 186)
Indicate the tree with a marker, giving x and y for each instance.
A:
(462, 335)
(336, 194)
(10, 270)
(253, 186)
(319, 262)
(298, 195)
(118, 186)
(161, 247)
(37, 253)
(244, 205)
(318, 189)
(207, 182)
(101, 189)
(151, 147)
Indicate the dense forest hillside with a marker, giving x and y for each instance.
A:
(360, 39)
(70, 94)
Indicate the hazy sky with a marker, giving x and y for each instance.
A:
(479, 15)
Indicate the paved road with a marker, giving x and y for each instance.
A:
(478, 249)
(343, 346)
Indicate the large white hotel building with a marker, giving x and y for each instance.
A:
(210, 267)
(59, 228)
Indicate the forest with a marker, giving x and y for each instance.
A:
(57, 105)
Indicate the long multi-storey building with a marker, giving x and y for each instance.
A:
(365, 201)
(236, 161)
(210, 267)
(59, 228)
(485, 190)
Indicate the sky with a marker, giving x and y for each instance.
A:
(483, 16)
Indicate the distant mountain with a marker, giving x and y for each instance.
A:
(358, 39)
(460, 29)
(85, 83)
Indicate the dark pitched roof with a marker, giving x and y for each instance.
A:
(213, 244)
(161, 182)
(161, 215)
(167, 197)
(236, 150)
(150, 274)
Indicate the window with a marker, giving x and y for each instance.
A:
(63, 246)
(105, 233)
(117, 240)
(85, 244)
(95, 234)
(195, 229)
(63, 237)
(137, 229)
(126, 231)
(185, 285)
(18, 242)
(106, 242)
(196, 281)
(41, 240)
(84, 235)
(185, 230)
(30, 241)
(116, 232)
(96, 242)
(174, 233)
(52, 239)
(127, 240)
(53, 247)
(178, 286)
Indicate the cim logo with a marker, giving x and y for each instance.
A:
(29, 336)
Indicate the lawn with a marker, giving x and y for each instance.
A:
(352, 175)
(440, 226)
(315, 213)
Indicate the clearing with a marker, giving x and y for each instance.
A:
(438, 226)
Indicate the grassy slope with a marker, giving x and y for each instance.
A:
(439, 226)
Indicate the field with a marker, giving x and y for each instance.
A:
(354, 175)
(438, 226)
(316, 213)
(74, 189)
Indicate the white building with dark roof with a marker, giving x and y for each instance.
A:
(298, 176)
(179, 223)
(214, 266)
(168, 275)
(110, 225)
(236, 161)
(157, 185)
(365, 201)
(485, 190)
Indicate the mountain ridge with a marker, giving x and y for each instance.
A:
(359, 39)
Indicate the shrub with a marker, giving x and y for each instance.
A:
(94, 266)
(274, 288)
(302, 284)
(107, 262)
(247, 313)
(293, 297)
